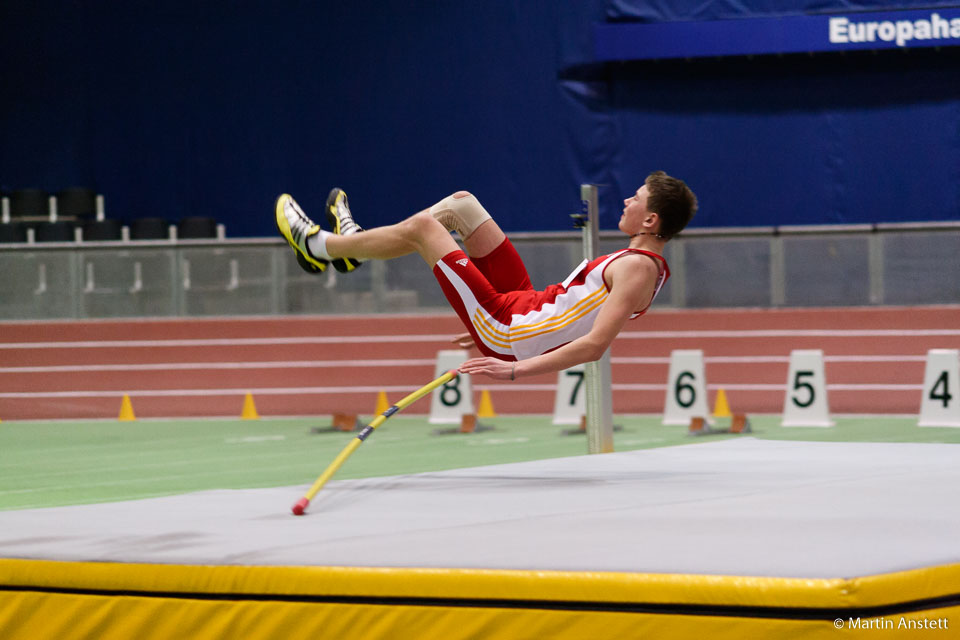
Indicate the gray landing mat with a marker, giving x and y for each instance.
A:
(732, 507)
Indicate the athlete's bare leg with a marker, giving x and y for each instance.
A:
(487, 237)
(415, 235)
(420, 233)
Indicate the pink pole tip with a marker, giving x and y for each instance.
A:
(301, 505)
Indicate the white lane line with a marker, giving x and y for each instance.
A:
(769, 359)
(789, 333)
(399, 362)
(224, 342)
(628, 335)
(146, 393)
(283, 391)
(202, 366)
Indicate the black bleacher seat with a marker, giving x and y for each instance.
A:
(149, 229)
(77, 202)
(197, 227)
(13, 232)
(101, 230)
(29, 203)
(59, 231)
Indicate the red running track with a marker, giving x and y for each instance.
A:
(325, 364)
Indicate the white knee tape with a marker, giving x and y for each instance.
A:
(462, 215)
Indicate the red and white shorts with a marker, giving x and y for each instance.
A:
(486, 293)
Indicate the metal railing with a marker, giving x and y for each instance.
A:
(890, 264)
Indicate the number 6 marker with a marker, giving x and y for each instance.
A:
(686, 388)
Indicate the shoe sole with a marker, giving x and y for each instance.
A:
(343, 265)
(311, 265)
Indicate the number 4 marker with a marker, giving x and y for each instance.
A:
(940, 405)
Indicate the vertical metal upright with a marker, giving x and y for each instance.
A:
(278, 277)
(597, 375)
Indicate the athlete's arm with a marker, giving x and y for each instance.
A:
(632, 280)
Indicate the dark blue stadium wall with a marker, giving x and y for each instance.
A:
(176, 108)
(798, 139)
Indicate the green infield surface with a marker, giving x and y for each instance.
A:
(46, 464)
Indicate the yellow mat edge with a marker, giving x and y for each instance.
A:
(372, 582)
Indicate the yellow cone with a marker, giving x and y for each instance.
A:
(485, 410)
(382, 403)
(720, 408)
(249, 409)
(126, 410)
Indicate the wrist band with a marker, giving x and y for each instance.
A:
(513, 370)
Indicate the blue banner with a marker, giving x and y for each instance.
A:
(789, 34)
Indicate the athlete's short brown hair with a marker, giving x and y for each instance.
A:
(672, 200)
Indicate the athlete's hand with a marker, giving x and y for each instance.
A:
(490, 367)
(464, 341)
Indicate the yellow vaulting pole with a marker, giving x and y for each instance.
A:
(301, 505)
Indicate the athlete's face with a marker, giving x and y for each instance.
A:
(634, 212)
